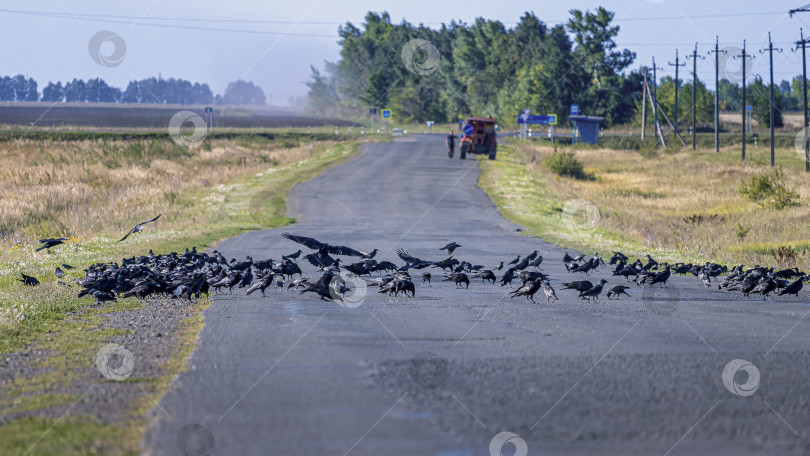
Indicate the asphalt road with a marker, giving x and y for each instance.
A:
(290, 375)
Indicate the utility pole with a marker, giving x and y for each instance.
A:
(770, 55)
(717, 52)
(644, 107)
(803, 43)
(695, 57)
(744, 55)
(677, 84)
(654, 98)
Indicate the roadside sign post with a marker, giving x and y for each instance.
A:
(524, 120)
(430, 126)
(749, 110)
(372, 111)
(522, 117)
(209, 119)
(386, 114)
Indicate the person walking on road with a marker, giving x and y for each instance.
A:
(451, 144)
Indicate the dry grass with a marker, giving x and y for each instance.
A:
(92, 188)
(684, 205)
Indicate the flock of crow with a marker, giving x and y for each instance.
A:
(193, 274)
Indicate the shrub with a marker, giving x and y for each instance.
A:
(769, 191)
(566, 164)
(741, 231)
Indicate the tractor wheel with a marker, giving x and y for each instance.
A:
(463, 153)
(492, 153)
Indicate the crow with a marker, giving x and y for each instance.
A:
(292, 256)
(458, 278)
(515, 261)
(486, 276)
(508, 276)
(451, 247)
(549, 292)
(324, 248)
(793, 287)
(262, 284)
(28, 280)
(593, 292)
(139, 227)
(426, 278)
(617, 290)
(59, 272)
(579, 285)
(51, 242)
(528, 290)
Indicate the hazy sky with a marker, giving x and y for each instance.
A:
(54, 46)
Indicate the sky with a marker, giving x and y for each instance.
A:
(215, 42)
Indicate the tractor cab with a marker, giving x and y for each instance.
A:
(479, 137)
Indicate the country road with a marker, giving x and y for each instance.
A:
(443, 373)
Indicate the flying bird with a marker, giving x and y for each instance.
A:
(324, 248)
(451, 247)
(139, 227)
(51, 242)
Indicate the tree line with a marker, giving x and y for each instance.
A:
(488, 69)
(149, 90)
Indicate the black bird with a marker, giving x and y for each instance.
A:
(579, 285)
(486, 276)
(458, 278)
(528, 290)
(28, 280)
(451, 247)
(102, 296)
(515, 261)
(593, 292)
(412, 261)
(320, 287)
(139, 227)
(322, 247)
(508, 277)
(617, 290)
(426, 278)
(293, 256)
(661, 277)
(59, 272)
(51, 242)
(500, 267)
(262, 284)
(67, 266)
(793, 287)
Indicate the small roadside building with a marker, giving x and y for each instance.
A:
(588, 127)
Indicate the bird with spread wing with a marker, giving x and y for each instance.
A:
(322, 258)
(139, 227)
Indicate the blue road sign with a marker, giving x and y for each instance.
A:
(468, 130)
(749, 108)
(386, 113)
(209, 109)
(548, 119)
(372, 111)
(574, 110)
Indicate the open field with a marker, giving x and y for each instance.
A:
(134, 116)
(680, 206)
(94, 191)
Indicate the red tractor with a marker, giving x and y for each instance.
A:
(479, 137)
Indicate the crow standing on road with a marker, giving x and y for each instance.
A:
(139, 227)
(528, 290)
(593, 292)
(617, 290)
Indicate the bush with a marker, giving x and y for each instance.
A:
(566, 164)
(769, 191)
